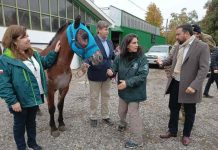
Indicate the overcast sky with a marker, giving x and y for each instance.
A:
(166, 6)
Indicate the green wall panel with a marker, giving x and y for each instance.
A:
(144, 37)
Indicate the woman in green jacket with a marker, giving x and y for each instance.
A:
(132, 69)
(23, 82)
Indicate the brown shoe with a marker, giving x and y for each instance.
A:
(185, 140)
(167, 135)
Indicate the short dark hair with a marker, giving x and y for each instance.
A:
(186, 28)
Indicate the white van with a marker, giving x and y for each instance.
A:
(161, 51)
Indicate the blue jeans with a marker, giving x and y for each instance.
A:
(24, 120)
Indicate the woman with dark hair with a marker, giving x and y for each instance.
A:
(132, 69)
(23, 83)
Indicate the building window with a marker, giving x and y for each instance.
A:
(1, 18)
(45, 6)
(34, 5)
(88, 19)
(45, 23)
(62, 8)
(9, 2)
(35, 18)
(11, 15)
(54, 7)
(45, 15)
(24, 18)
(22, 4)
(82, 14)
(62, 22)
(76, 11)
(70, 10)
(55, 24)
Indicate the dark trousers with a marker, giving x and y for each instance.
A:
(25, 120)
(213, 77)
(174, 106)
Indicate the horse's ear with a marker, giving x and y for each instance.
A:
(77, 22)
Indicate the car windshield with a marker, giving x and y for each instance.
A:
(159, 49)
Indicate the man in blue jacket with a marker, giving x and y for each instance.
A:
(99, 82)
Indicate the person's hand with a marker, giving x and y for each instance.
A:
(190, 90)
(16, 107)
(122, 85)
(57, 46)
(109, 72)
(83, 69)
(215, 71)
(159, 61)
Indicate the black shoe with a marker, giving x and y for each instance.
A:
(36, 147)
(94, 123)
(208, 96)
(121, 128)
(108, 121)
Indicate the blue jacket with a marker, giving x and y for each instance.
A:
(98, 72)
(17, 82)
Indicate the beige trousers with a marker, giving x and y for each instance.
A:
(99, 90)
(136, 125)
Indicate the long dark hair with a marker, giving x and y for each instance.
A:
(124, 50)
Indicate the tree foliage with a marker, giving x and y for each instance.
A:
(209, 24)
(179, 19)
(153, 16)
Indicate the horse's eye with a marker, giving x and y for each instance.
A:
(85, 36)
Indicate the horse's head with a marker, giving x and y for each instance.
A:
(83, 43)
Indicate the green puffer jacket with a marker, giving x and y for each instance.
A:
(135, 74)
(17, 82)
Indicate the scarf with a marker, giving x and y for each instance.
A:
(179, 61)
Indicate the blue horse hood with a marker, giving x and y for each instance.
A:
(86, 52)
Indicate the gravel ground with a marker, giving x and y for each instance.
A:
(154, 112)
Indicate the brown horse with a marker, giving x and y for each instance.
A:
(59, 75)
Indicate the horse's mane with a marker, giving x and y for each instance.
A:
(58, 32)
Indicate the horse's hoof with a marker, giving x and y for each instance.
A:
(62, 128)
(55, 133)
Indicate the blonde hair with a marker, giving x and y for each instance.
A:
(9, 39)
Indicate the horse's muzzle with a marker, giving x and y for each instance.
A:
(96, 58)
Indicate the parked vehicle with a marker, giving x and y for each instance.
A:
(161, 51)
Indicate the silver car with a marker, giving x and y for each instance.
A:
(161, 51)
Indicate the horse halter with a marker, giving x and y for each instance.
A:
(89, 49)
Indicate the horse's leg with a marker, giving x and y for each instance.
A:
(51, 108)
(61, 96)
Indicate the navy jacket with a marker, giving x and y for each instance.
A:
(214, 59)
(98, 72)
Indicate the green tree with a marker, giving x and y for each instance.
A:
(153, 16)
(209, 24)
(179, 19)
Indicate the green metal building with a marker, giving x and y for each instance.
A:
(126, 23)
